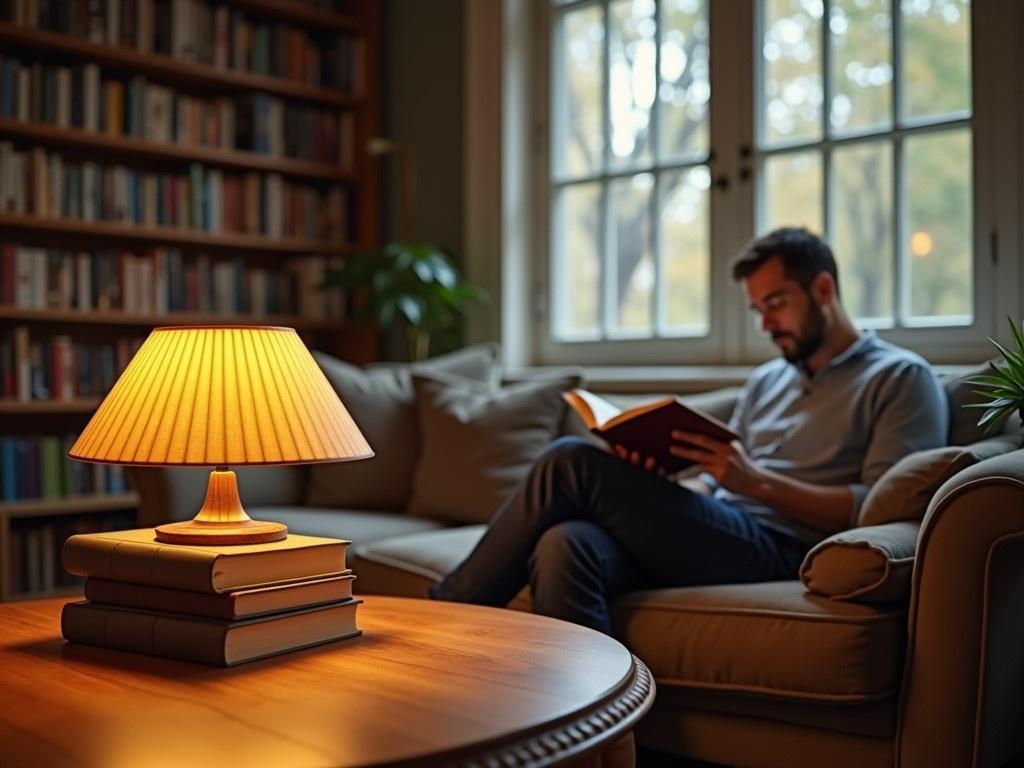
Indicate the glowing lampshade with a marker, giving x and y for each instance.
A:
(219, 396)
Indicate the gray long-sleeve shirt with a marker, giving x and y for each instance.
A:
(869, 407)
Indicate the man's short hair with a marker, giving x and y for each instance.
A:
(804, 256)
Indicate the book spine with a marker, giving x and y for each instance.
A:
(125, 561)
(139, 632)
(158, 599)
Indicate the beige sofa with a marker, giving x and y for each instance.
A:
(767, 674)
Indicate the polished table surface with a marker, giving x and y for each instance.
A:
(427, 683)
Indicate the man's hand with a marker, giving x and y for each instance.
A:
(634, 457)
(728, 462)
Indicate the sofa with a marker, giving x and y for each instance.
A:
(926, 672)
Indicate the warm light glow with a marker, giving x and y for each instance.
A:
(221, 396)
(921, 244)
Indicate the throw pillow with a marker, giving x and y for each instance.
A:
(383, 403)
(867, 565)
(906, 488)
(478, 444)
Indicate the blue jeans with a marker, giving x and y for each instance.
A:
(586, 526)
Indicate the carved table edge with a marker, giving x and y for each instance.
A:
(571, 737)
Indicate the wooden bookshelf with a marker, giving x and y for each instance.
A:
(297, 13)
(70, 506)
(357, 173)
(166, 68)
(117, 318)
(45, 508)
(121, 146)
(17, 225)
(40, 407)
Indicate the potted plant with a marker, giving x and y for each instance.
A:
(410, 288)
(1003, 388)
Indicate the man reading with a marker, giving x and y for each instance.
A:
(818, 427)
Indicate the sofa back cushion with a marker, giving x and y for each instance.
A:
(478, 443)
(382, 401)
(867, 565)
(903, 492)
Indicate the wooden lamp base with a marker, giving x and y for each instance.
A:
(221, 520)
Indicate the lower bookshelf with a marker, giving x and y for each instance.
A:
(33, 531)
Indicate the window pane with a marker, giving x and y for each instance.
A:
(791, 71)
(936, 58)
(685, 88)
(792, 192)
(939, 225)
(577, 92)
(577, 261)
(686, 252)
(860, 32)
(631, 82)
(632, 259)
(862, 225)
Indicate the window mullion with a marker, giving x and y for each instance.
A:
(604, 302)
(657, 300)
(826, 119)
(899, 212)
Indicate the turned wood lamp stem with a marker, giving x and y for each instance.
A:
(221, 519)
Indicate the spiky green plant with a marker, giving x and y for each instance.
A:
(1004, 386)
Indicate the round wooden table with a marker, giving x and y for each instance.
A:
(427, 684)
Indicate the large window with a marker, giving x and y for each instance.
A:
(855, 118)
(864, 133)
(629, 177)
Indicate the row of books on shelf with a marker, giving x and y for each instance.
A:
(198, 31)
(260, 600)
(205, 199)
(38, 468)
(160, 281)
(35, 544)
(80, 97)
(58, 368)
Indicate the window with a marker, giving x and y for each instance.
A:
(865, 134)
(629, 176)
(859, 119)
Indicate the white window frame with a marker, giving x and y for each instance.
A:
(998, 105)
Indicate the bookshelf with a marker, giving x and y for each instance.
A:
(192, 112)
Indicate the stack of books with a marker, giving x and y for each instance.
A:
(220, 605)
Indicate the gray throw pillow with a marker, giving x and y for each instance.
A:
(864, 565)
(478, 444)
(906, 488)
(383, 403)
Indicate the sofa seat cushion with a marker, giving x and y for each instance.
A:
(406, 565)
(772, 639)
(356, 526)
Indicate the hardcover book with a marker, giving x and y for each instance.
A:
(136, 556)
(230, 606)
(647, 429)
(206, 641)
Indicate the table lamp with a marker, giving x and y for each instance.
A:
(221, 396)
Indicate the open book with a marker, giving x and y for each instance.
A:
(646, 428)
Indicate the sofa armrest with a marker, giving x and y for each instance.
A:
(177, 493)
(961, 703)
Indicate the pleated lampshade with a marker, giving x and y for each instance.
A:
(220, 396)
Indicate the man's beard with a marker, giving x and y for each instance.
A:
(810, 337)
